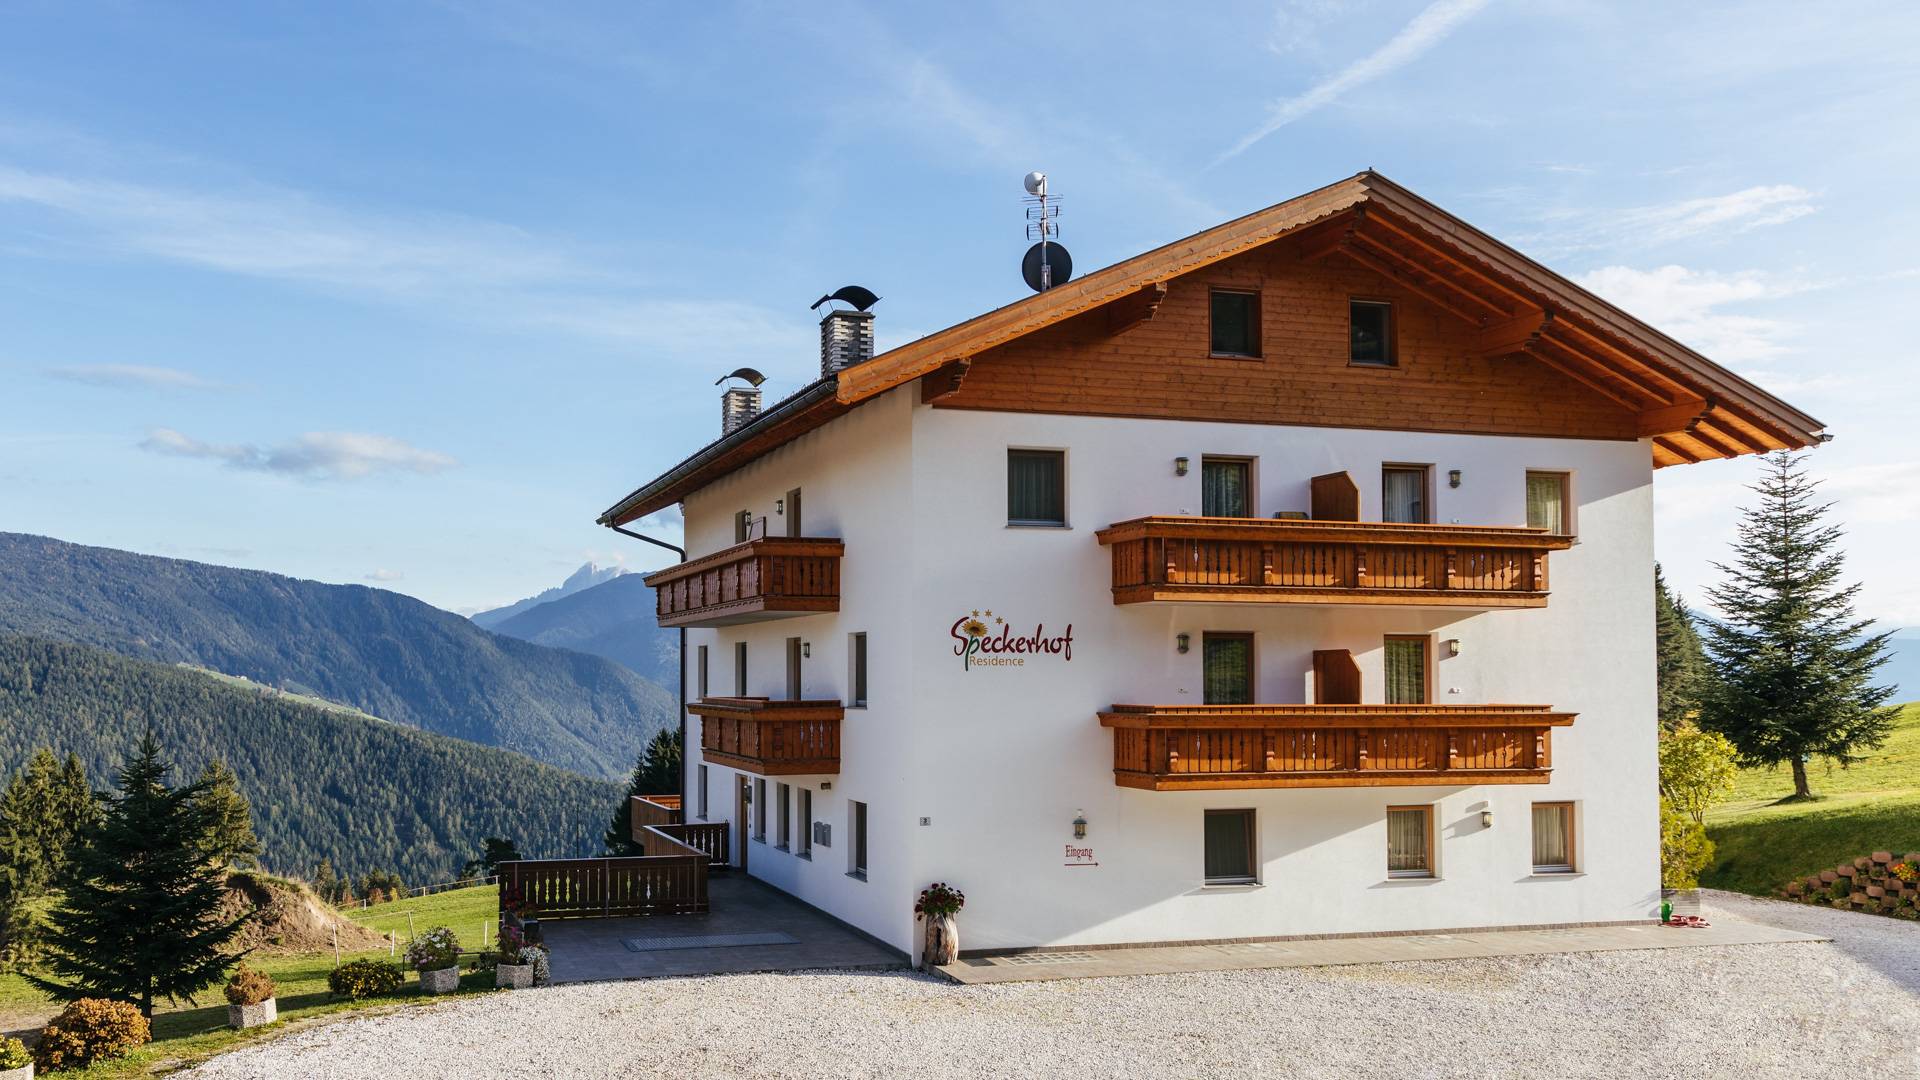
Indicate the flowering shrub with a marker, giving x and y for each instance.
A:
(514, 904)
(1905, 871)
(537, 956)
(366, 978)
(248, 986)
(434, 950)
(939, 900)
(13, 1055)
(90, 1030)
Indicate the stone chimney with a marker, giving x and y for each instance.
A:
(846, 339)
(738, 406)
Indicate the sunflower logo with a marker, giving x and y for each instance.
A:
(974, 628)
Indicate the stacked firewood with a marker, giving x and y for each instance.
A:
(1881, 883)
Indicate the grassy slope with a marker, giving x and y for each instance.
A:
(187, 1032)
(1873, 806)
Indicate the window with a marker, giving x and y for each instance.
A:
(857, 677)
(700, 671)
(857, 852)
(742, 525)
(1553, 838)
(1548, 506)
(794, 683)
(1235, 323)
(1403, 493)
(1229, 840)
(1409, 841)
(1406, 665)
(793, 513)
(1370, 333)
(1036, 487)
(760, 809)
(805, 848)
(739, 669)
(1226, 661)
(783, 804)
(1226, 487)
(703, 792)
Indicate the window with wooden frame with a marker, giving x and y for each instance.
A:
(742, 525)
(1233, 324)
(857, 851)
(857, 670)
(1226, 487)
(1229, 857)
(1370, 334)
(739, 669)
(700, 671)
(1408, 669)
(1550, 501)
(1553, 838)
(1404, 491)
(803, 844)
(783, 822)
(1226, 662)
(760, 809)
(1409, 841)
(703, 792)
(795, 680)
(1037, 487)
(793, 513)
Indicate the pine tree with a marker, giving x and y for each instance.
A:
(42, 808)
(655, 772)
(494, 850)
(230, 838)
(326, 884)
(1792, 668)
(139, 918)
(1680, 662)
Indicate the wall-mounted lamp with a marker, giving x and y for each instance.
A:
(1453, 477)
(806, 650)
(1179, 466)
(1181, 641)
(1486, 819)
(780, 505)
(1079, 824)
(1452, 645)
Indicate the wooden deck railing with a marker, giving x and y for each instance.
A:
(644, 811)
(1328, 562)
(1185, 747)
(709, 838)
(667, 884)
(770, 578)
(772, 738)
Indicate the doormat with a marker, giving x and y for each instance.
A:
(707, 941)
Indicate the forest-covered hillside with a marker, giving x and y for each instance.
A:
(614, 619)
(323, 783)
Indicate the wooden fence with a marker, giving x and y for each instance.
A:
(674, 884)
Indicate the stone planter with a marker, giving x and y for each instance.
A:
(24, 1072)
(444, 981)
(240, 1017)
(942, 944)
(513, 976)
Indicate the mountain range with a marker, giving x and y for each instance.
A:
(613, 619)
(586, 577)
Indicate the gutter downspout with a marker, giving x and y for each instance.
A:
(680, 690)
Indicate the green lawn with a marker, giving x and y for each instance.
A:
(1873, 806)
(193, 1031)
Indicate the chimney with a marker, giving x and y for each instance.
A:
(846, 339)
(738, 406)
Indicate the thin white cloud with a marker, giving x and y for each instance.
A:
(1591, 229)
(1689, 305)
(1880, 493)
(383, 574)
(1297, 25)
(1426, 30)
(131, 375)
(316, 455)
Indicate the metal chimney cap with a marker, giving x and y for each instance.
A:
(754, 378)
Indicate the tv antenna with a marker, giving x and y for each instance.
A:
(1047, 263)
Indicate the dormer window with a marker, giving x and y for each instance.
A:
(1235, 324)
(1370, 333)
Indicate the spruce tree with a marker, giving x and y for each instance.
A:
(1792, 668)
(655, 772)
(1680, 662)
(140, 915)
(230, 838)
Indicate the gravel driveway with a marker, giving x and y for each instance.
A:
(1851, 1008)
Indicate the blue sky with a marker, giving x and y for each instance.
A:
(406, 294)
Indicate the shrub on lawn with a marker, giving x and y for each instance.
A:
(435, 950)
(366, 978)
(248, 986)
(13, 1055)
(90, 1030)
(1684, 847)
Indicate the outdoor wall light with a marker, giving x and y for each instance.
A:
(1179, 466)
(1181, 641)
(806, 650)
(780, 505)
(1453, 477)
(1453, 646)
(1079, 824)
(1486, 819)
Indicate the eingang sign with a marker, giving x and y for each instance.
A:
(979, 645)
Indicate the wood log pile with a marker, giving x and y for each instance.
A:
(1881, 883)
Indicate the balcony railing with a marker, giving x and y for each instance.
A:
(1328, 562)
(1189, 747)
(772, 738)
(770, 578)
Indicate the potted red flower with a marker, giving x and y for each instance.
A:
(938, 904)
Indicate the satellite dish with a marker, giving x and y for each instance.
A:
(1036, 183)
(752, 377)
(859, 296)
(1058, 262)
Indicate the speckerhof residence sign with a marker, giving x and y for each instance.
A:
(980, 644)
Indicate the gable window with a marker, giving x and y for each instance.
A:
(1409, 841)
(1406, 665)
(1227, 663)
(857, 852)
(1226, 487)
(804, 844)
(1229, 847)
(1234, 323)
(1548, 506)
(1037, 487)
(857, 677)
(1403, 494)
(1553, 838)
(784, 808)
(1370, 333)
(739, 669)
(742, 525)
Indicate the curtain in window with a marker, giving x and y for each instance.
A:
(1223, 489)
(1229, 670)
(1229, 846)
(1552, 846)
(1407, 842)
(1406, 671)
(1403, 495)
(1036, 487)
(1547, 501)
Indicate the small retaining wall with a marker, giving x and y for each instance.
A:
(1871, 883)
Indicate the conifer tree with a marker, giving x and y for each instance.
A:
(230, 838)
(1680, 662)
(326, 884)
(655, 772)
(1792, 667)
(139, 916)
(42, 808)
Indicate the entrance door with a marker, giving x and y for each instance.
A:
(743, 798)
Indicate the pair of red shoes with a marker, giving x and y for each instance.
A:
(1687, 920)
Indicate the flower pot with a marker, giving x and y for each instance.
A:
(444, 981)
(942, 946)
(513, 976)
(24, 1072)
(240, 1017)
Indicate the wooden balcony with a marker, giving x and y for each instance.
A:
(771, 738)
(1266, 561)
(1195, 747)
(774, 577)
